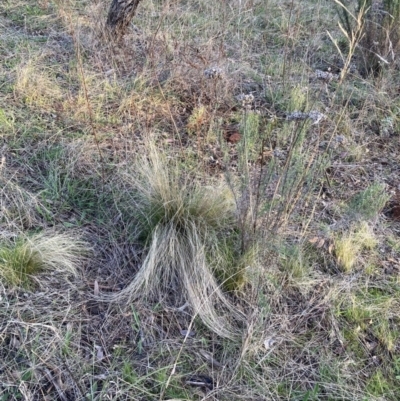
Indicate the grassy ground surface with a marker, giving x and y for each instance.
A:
(207, 210)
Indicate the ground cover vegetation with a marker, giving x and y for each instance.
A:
(206, 207)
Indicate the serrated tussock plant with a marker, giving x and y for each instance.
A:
(24, 257)
(182, 226)
(349, 245)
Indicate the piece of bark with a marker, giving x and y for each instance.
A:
(120, 16)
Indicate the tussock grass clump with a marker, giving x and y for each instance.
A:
(183, 226)
(18, 206)
(24, 257)
(36, 88)
(295, 259)
(368, 203)
(349, 246)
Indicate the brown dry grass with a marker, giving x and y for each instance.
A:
(76, 115)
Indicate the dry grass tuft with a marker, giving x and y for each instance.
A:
(36, 87)
(182, 225)
(18, 206)
(25, 257)
(349, 246)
